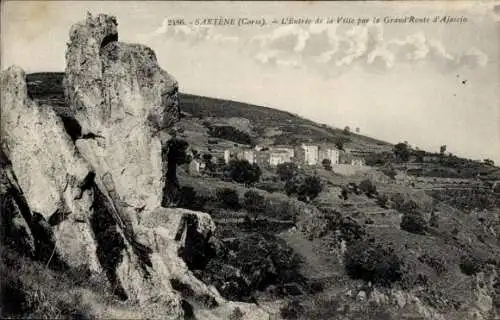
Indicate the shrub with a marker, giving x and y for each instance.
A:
(190, 200)
(368, 187)
(470, 265)
(306, 188)
(243, 171)
(327, 164)
(228, 198)
(402, 152)
(286, 170)
(375, 263)
(379, 159)
(252, 263)
(413, 223)
(435, 262)
(382, 200)
(351, 231)
(253, 202)
(403, 204)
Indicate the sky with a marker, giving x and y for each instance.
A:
(430, 84)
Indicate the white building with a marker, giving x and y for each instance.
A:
(279, 155)
(358, 162)
(227, 155)
(311, 154)
(331, 154)
(247, 154)
(195, 167)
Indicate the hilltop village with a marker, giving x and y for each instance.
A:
(345, 161)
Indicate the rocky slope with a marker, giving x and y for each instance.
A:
(92, 200)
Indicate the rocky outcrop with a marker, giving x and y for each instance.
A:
(50, 173)
(96, 193)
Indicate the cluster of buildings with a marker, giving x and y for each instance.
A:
(303, 155)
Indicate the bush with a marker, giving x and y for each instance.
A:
(470, 265)
(252, 263)
(402, 152)
(228, 198)
(306, 188)
(382, 200)
(286, 171)
(243, 171)
(413, 223)
(404, 205)
(190, 200)
(379, 159)
(327, 164)
(253, 202)
(437, 263)
(368, 187)
(367, 261)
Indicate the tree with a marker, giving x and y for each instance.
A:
(373, 262)
(311, 187)
(339, 143)
(414, 223)
(286, 170)
(228, 198)
(402, 152)
(207, 157)
(347, 130)
(306, 188)
(442, 149)
(253, 202)
(327, 164)
(243, 171)
(368, 187)
(357, 129)
(489, 162)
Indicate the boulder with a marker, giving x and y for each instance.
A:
(49, 171)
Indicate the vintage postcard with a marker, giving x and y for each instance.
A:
(250, 160)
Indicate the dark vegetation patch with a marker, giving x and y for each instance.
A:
(468, 198)
(414, 223)
(248, 264)
(229, 133)
(470, 265)
(242, 171)
(373, 262)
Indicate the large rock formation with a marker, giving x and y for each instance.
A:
(99, 198)
(49, 170)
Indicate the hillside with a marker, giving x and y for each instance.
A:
(415, 244)
(267, 124)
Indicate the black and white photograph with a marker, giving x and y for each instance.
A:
(250, 160)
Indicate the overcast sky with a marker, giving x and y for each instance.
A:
(429, 84)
